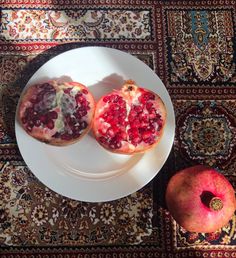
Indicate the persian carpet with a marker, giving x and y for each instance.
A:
(191, 46)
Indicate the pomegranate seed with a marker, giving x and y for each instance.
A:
(47, 87)
(122, 121)
(160, 124)
(152, 116)
(52, 115)
(114, 144)
(144, 117)
(149, 105)
(33, 101)
(103, 140)
(149, 96)
(135, 123)
(83, 112)
(76, 128)
(24, 120)
(66, 136)
(133, 132)
(83, 124)
(121, 102)
(136, 140)
(84, 91)
(76, 134)
(109, 118)
(146, 97)
(50, 124)
(80, 99)
(43, 119)
(114, 107)
(56, 135)
(72, 121)
(122, 136)
(29, 128)
(132, 115)
(138, 109)
(31, 123)
(29, 111)
(146, 135)
(106, 99)
(149, 140)
(39, 97)
(37, 122)
(143, 124)
(77, 114)
(67, 91)
(112, 131)
(115, 98)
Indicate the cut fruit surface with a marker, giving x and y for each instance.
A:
(56, 113)
(130, 120)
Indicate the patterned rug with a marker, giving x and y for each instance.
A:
(191, 46)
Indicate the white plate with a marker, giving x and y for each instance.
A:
(85, 171)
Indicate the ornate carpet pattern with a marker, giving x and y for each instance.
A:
(191, 46)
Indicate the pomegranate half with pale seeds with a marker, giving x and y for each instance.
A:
(200, 199)
(56, 113)
(129, 120)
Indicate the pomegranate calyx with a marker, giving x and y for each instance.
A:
(129, 88)
(211, 201)
(216, 204)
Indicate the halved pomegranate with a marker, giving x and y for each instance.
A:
(57, 113)
(130, 120)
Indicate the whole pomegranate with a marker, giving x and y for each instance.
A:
(130, 120)
(56, 113)
(200, 199)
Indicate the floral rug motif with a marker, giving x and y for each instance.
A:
(191, 47)
(201, 43)
(109, 23)
(34, 215)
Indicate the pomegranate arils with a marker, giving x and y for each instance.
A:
(24, 120)
(66, 136)
(146, 96)
(52, 115)
(37, 122)
(138, 108)
(115, 143)
(83, 124)
(106, 98)
(29, 128)
(50, 124)
(67, 90)
(65, 110)
(46, 87)
(146, 135)
(85, 91)
(43, 119)
(129, 120)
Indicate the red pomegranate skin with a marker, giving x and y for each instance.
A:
(189, 198)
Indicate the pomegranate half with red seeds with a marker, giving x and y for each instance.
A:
(200, 199)
(130, 120)
(56, 113)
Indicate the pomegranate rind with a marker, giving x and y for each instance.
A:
(129, 96)
(43, 133)
(183, 199)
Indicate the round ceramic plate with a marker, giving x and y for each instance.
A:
(85, 171)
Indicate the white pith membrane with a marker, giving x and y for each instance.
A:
(54, 112)
(130, 120)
